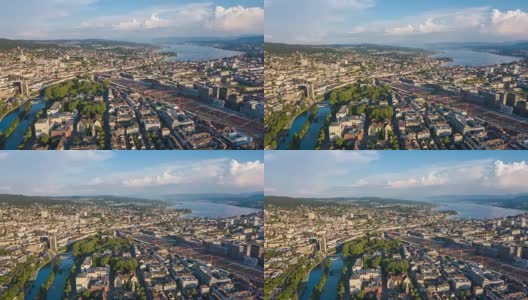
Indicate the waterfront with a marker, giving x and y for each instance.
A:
(468, 210)
(208, 209)
(465, 57)
(309, 140)
(186, 52)
(17, 136)
(332, 279)
(56, 290)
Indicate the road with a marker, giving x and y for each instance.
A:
(469, 254)
(215, 115)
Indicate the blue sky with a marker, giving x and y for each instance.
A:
(130, 173)
(129, 19)
(413, 22)
(402, 174)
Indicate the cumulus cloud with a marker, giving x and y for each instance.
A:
(231, 173)
(81, 19)
(246, 174)
(511, 175)
(237, 19)
(510, 23)
(430, 179)
(482, 21)
(127, 25)
(190, 19)
(337, 24)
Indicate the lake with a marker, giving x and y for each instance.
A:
(207, 209)
(465, 57)
(468, 210)
(198, 53)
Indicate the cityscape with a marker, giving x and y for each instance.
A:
(123, 243)
(428, 77)
(420, 233)
(127, 85)
(292, 117)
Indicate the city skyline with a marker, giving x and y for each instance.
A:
(406, 175)
(125, 173)
(389, 22)
(136, 20)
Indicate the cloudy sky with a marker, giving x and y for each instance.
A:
(130, 173)
(403, 174)
(129, 19)
(405, 22)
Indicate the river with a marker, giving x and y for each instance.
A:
(18, 135)
(56, 290)
(309, 140)
(332, 279)
(207, 209)
(198, 53)
(468, 210)
(465, 57)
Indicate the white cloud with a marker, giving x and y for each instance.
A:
(156, 22)
(512, 175)
(509, 23)
(87, 155)
(351, 4)
(247, 174)
(127, 25)
(362, 157)
(212, 172)
(237, 19)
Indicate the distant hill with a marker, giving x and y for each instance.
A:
(88, 43)
(291, 202)
(286, 49)
(12, 44)
(250, 200)
(518, 201)
(251, 39)
(516, 49)
(22, 200)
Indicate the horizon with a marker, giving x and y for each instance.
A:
(198, 38)
(410, 23)
(461, 43)
(136, 20)
(130, 174)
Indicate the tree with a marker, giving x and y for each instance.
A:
(341, 290)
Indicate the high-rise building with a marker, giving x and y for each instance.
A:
(23, 87)
(53, 243)
(322, 243)
(224, 93)
(309, 91)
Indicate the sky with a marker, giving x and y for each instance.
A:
(411, 175)
(400, 22)
(130, 173)
(135, 20)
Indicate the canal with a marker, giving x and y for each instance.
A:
(56, 290)
(333, 276)
(17, 136)
(309, 140)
